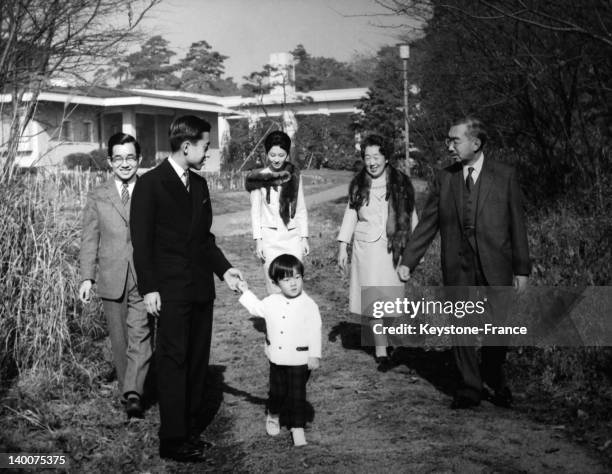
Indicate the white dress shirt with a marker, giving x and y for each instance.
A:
(477, 168)
(131, 184)
(180, 171)
(293, 326)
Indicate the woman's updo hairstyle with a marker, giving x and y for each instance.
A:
(277, 138)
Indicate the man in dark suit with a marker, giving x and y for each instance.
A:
(477, 206)
(106, 247)
(175, 256)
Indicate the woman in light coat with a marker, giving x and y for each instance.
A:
(379, 219)
(278, 212)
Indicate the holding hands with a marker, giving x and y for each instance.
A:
(232, 277)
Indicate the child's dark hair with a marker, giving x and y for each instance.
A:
(284, 266)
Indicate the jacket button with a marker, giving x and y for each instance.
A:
(282, 332)
(279, 347)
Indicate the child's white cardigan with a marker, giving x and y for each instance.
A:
(293, 326)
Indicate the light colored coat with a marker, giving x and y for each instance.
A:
(106, 246)
(264, 214)
(293, 326)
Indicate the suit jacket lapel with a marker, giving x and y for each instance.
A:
(175, 186)
(197, 197)
(487, 177)
(456, 184)
(113, 196)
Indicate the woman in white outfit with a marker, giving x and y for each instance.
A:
(278, 210)
(379, 219)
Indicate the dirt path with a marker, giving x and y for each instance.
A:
(364, 420)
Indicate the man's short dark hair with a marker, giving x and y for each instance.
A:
(121, 139)
(385, 146)
(475, 128)
(186, 128)
(284, 266)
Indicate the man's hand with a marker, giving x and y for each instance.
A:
(305, 246)
(85, 291)
(520, 283)
(152, 302)
(342, 257)
(232, 277)
(242, 286)
(404, 272)
(313, 363)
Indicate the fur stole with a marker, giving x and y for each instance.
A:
(288, 178)
(400, 198)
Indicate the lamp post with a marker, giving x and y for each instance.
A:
(404, 52)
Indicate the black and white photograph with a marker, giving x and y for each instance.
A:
(321, 236)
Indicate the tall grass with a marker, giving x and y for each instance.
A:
(39, 241)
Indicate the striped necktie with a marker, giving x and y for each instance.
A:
(125, 194)
(186, 179)
(469, 181)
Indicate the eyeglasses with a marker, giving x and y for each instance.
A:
(453, 141)
(130, 159)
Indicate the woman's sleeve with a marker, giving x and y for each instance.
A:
(301, 214)
(255, 196)
(349, 221)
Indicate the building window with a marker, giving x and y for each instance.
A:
(66, 132)
(87, 132)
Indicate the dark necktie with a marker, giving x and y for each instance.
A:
(469, 181)
(186, 179)
(125, 194)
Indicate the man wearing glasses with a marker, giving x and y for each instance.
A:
(476, 204)
(105, 240)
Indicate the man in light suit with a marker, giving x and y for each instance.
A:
(105, 240)
(176, 256)
(477, 206)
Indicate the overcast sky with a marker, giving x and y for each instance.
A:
(249, 30)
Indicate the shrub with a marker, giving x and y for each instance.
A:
(95, 160)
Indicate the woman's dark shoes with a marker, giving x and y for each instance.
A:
(133, 406)
(184, 452)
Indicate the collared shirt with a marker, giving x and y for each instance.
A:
(477, 168)
(293, 326)
(131, 184)
(180, 171)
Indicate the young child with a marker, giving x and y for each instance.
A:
(293, 342)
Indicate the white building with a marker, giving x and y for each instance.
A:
(81, 119)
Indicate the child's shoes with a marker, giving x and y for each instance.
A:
(299, 439)
(272, 425)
